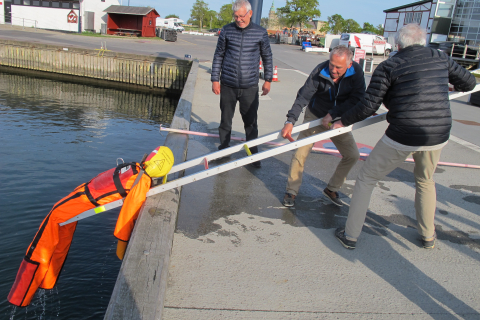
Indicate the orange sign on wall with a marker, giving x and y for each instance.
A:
(72, 17)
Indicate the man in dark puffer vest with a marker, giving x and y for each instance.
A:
(333, 87)
(237, 58)
(413, 85)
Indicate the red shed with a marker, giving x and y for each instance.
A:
(126, 20)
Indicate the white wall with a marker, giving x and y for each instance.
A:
(56, 18)
(43, 18)
(97, 6)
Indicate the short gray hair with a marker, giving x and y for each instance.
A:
(342, 51)
(238, 4)
(411, 34)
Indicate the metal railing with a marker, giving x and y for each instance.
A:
(17, 21)
(465, 52)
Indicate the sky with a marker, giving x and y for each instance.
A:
(361, 11)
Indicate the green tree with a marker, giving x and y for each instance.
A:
(298, 12)
(351, 26)
(264, 23)
(225, 16)
(368, 27)
(211, 19)
(172, 16)
(198, 12)
(335, 24)
(282, 19)
(380, 29)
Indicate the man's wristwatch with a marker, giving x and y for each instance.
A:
(288, 122)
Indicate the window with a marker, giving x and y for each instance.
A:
(417, 17)
(445, 8)
(36, 2)
(408, 17)
(45, 4)
(76, 5)
(26, 2)
(65, 5)
(17, 1)
(56, 4)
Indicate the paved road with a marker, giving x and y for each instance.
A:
(239, 254)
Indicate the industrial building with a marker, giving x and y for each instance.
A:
(446, 20)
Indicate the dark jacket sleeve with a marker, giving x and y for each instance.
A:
(266, 54)
(304, 95)
(373, 98)
(357, 93)
(218, 57)
(461, 79)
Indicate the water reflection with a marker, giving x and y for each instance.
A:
(83, 104)
(53, 137)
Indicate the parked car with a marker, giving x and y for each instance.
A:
(170, 23)
(366, 41)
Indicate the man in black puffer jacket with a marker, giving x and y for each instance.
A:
(236, 66)
(413, 85)
(333, 87)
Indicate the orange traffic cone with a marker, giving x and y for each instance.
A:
(260, 70)
(275, 75)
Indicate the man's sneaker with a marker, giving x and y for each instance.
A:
(333, 196)
(256, 164)
(289, 200)
(340, 235)
(430, 242)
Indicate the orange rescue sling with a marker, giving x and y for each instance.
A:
(47, 252)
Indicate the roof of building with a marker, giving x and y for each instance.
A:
(141, 11)
(407, 5)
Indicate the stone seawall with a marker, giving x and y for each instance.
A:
(102, 65)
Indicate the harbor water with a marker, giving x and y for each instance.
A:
(55, 136)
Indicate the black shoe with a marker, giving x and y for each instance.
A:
(333, 196)
(340, 235)
(224, 157)
(289, 200)
(228, 156)
(430, 242)
(256, 164)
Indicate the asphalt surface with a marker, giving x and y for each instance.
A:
(239, 254)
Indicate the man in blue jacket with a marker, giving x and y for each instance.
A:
(333, 87)
(235, 72)
(413, 85)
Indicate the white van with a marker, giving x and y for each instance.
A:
(371, 43)
(170, 23)
(331, 41)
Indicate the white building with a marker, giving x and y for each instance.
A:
(64, 15)
(434, 15)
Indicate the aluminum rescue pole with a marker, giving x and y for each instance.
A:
(208, 172)
(235, 163)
